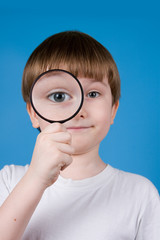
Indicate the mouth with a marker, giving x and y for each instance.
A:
(79, 128)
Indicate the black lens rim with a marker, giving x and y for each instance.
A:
(59, 121)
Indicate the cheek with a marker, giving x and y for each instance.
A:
(43, 124)
(103, 114)
(103, 121)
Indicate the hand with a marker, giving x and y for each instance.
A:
(52, 154)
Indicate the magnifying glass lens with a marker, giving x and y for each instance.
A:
(56, 96)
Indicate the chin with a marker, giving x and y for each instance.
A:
(83, 147)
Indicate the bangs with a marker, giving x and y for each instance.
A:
(88, 66)
(75, 52)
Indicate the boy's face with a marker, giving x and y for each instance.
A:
(89, 127)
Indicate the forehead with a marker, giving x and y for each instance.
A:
(92, 81)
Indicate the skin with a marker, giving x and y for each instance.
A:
(88, 128)
(57, 152)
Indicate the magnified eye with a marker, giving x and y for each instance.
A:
(93, 94)
(59, 97)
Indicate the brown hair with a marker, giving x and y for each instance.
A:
(81, 54)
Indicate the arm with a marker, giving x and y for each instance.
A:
(18, 208)
(51, 155)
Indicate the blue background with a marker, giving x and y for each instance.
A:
(131, 32)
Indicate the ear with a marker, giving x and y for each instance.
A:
(114, 111)
(33, 116)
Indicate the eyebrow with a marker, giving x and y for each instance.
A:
(92, 80)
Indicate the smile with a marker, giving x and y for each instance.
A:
(77, 129)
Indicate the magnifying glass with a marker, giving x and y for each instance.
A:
(56, 96)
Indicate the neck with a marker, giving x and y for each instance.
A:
(84, 166)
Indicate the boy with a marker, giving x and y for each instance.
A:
(68, 192)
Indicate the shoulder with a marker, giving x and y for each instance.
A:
(11, 174)
(134, 184)
(140, 199)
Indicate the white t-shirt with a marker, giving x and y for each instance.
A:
(113, 205)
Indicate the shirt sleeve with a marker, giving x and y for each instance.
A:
(4, 184)
(10, 175)
(149, 227)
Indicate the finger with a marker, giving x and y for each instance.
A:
(67, 160)
(61, 137)
(54, 127)
(64, 167)
(65, 148)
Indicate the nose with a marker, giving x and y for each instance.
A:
(83, 113)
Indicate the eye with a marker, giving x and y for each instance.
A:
(59, 97)
(93, 94)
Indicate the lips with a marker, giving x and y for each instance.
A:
(76, 128)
